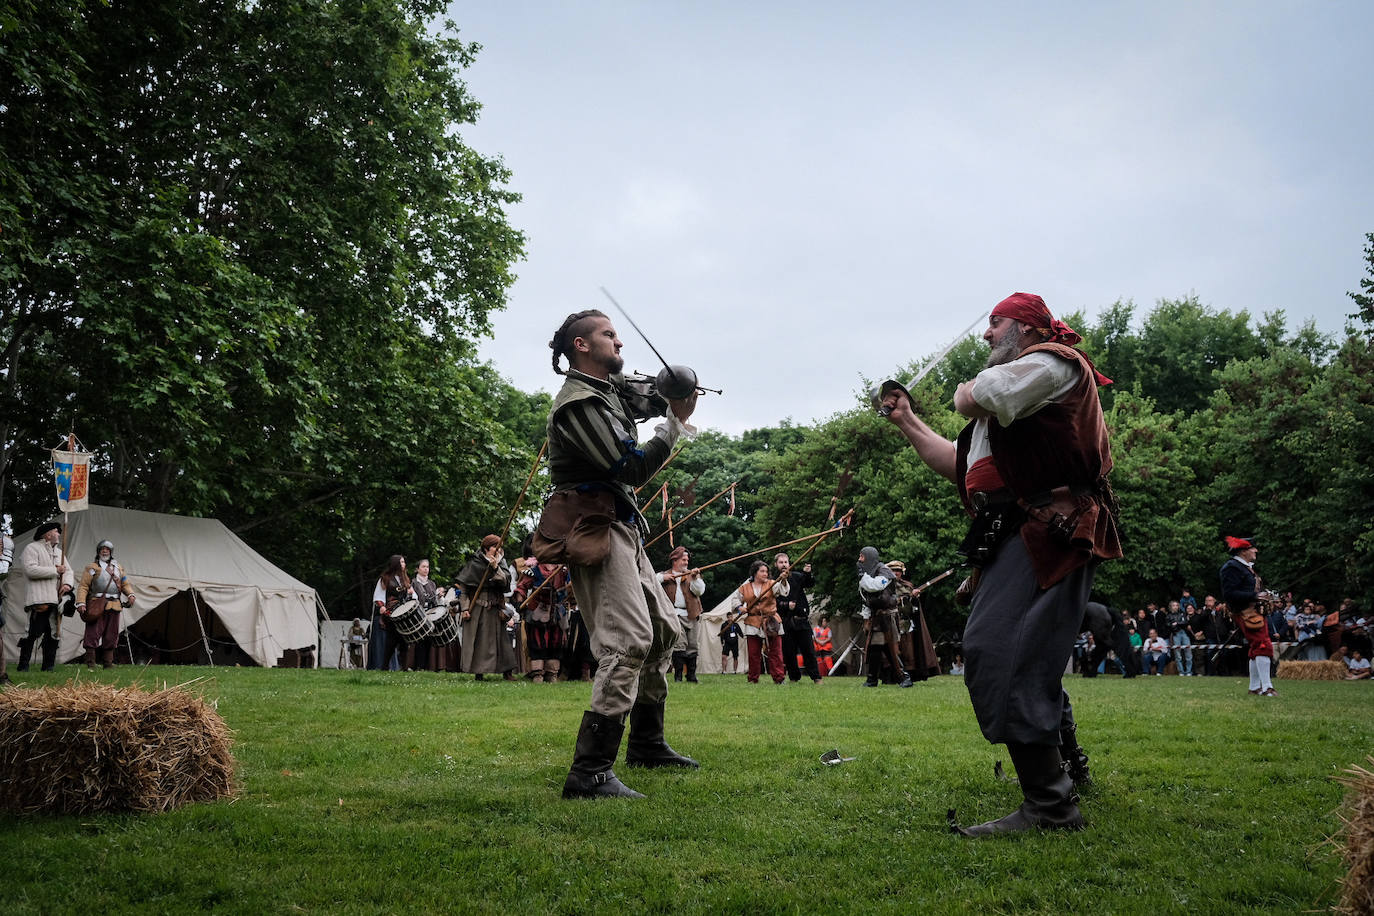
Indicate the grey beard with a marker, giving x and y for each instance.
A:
(1007, 349)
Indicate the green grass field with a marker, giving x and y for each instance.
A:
(370, 792)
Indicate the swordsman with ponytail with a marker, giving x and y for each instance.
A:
(1031, 468)
(591, 523)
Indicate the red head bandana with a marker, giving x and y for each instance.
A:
(1238, 543)
(1030, 309)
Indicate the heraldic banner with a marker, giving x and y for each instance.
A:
(72, 472)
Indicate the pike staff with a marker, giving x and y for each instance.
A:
(804, 537)
(547, 579)
(660, 470)
(513, 509)
(679, 522)
(841, 525)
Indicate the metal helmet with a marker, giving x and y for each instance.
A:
(101, 546)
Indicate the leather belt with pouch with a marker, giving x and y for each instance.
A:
(997, 518)
(575, 527)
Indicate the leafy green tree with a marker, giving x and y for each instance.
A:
(1364, 300)
(900, 506)
(708, 465)
(1181, 344)
(246, 253)
(1167, 539)
(1286, 445)
(1113, 347)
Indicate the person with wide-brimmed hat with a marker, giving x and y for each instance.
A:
(48, 580)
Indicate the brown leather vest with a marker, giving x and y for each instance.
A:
(692, 601)
(1064, 444)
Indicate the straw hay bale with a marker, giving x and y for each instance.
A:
(1356, 839)
(88, 748)
(1312, 671)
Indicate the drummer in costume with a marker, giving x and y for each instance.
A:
(392, 590)
(418, 652)
(101, 593)
(592, 522)
(578, 660)
(684, 588)
(1240, 591)
(487, 647)
(798, 639)
(544, 617)
(1031, 469)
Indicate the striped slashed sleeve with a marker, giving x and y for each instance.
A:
(594, 432)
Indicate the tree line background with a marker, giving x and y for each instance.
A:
(246, 254)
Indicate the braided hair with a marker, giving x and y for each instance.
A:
(572, 328)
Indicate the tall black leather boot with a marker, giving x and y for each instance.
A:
(591, 776)
(25, 653)
(49, 653)
(692, 670)
(647, 747)
(679, 662)
(1050, 801)
(1075, 758)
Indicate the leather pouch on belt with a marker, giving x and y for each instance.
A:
(575, 528)
(95, 607)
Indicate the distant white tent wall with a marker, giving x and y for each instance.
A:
(262, 608)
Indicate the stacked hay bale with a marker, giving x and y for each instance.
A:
(91, 748)
(1312, 671)
(1357, 842)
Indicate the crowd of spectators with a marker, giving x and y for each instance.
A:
(1186, 638)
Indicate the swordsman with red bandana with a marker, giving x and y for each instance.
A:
(1031, 468)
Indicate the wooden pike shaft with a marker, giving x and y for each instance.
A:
(805, 537)
(679, 522)
(651, 499)
(511, 518)
(547, 579)
(818, 538)
(671, 459)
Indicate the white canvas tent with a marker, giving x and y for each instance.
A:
(179, 567)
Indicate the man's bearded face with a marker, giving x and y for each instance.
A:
(1005, 338)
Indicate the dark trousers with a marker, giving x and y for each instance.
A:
(1017, 642)
(797, 639)
(393, 646)
(40, 628)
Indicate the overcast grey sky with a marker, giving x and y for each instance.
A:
(786, 196)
